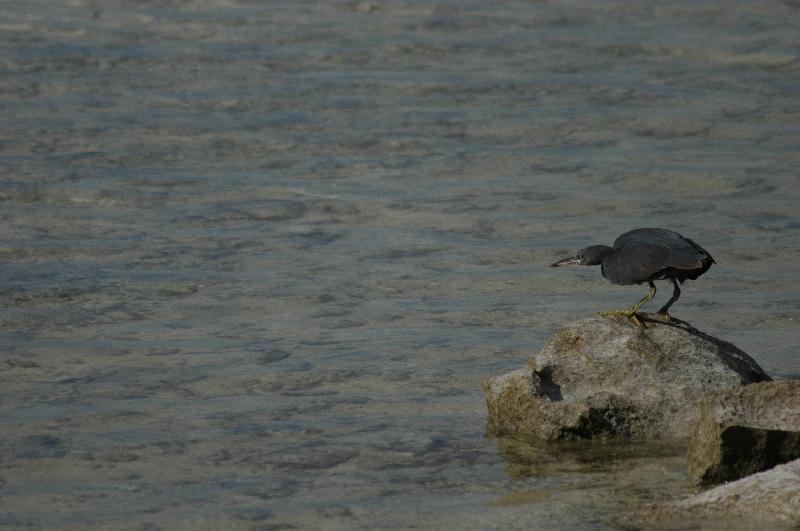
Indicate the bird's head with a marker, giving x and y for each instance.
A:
(588, 256)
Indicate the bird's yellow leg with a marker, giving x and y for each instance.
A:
(662, 314)
(630, 313)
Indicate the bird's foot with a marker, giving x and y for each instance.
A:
(658, 316)
(630, 313)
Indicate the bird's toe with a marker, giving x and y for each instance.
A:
(659, 316)
(627, 313)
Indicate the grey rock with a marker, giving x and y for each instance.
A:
(765, 500)
(605, 377)
(745, 430)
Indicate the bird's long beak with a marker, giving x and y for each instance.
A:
(567, 261)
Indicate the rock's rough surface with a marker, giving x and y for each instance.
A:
(745, 430)
(760, 501)
(602, 376)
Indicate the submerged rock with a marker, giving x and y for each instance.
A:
(605, 377)
(745, 430)
(763, 500)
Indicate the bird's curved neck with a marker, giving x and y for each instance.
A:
(594, 255)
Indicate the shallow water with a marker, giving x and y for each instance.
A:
(258, 256)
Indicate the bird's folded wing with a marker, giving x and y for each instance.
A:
(639, 261)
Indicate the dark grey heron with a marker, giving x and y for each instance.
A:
(645, 255)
